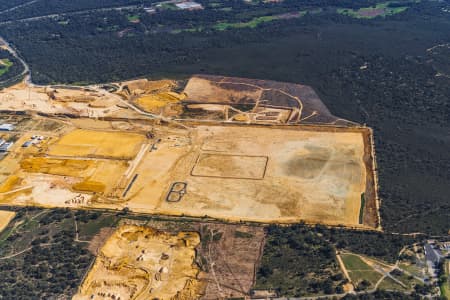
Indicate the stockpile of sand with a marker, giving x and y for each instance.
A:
(156, 103)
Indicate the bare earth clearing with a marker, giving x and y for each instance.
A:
(317, 172)
(257, 174)
(251, 100)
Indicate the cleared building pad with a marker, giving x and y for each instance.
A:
(230, 166)
(310, 173)
(102, 144)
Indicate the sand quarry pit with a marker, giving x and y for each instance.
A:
(143, 263)
(5, 218)
(263, 174)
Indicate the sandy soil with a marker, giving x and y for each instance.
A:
(103, 144)
(104, 174)
(300, 102)
(5, 218)
(141, 86)
(22, 98)
(310, 176)
(230, 166)
(165, 104)
(276, 174)
(208, 91)
(142, 263)
(63, 101)
(68, 167)
(50, 191)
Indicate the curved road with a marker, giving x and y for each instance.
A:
(26, 69)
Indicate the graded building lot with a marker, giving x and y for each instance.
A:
(5, 218)
(269, 174)
(100, 144)
(258, 174)
(230, 166)
(143, 263)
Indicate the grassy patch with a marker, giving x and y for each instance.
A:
(243, 235)
(250, 24)
(445, 284)
(445, 289)
(353, 262)
(214, 4)
(370, 276)
(361, 209)
(358, 270)
(380, 10)
(5, 234)
(407, 280)
(94, 223)
(5, 65)
(390, 285)
(133, 18)
(168, 6)
(254, 22)
(413, 269)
